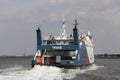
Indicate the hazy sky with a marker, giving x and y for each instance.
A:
(20, 18)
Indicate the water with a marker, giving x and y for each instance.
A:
(20, 69)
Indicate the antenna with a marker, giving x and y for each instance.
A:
(38, 28)
(63, 20)
(76, 23)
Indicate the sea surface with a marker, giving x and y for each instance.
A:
(20, 69)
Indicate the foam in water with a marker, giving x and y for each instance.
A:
(46, 73)
(42, 73)
(37, 73)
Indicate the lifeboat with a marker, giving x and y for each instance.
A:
(38, 60)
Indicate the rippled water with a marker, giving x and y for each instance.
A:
(20, 69)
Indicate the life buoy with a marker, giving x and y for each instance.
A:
(38, 60)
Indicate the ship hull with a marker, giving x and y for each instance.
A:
(65, 66)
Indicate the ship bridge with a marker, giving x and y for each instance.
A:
(61, 42)
(58, 45)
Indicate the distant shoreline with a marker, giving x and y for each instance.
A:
(107, 57)
(96, 57)
(16, 56)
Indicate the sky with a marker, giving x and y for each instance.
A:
(20, 18)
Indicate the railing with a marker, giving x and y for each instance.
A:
(57, 42)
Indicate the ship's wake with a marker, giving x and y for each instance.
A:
(42, 73)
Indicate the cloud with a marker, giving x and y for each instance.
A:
(113, 15)
(100, 16)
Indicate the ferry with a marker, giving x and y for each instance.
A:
(64, 51)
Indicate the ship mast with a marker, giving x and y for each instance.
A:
(63, 34)
(75, 33)
(76, 23)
